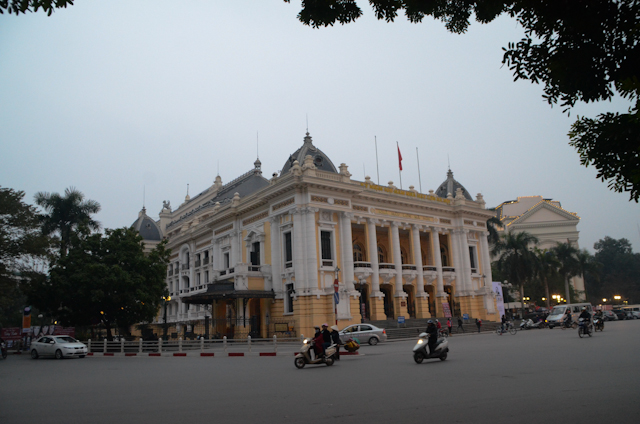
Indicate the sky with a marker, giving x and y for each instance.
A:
(134, 102)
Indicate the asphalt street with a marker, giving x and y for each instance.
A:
(531, 377)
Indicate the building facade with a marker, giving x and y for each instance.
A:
(545, 219)
(260, 256)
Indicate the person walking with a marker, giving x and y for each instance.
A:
(335, 338)
(449, 325)
(478, 324)
(460, 326)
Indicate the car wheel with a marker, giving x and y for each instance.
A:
(443, 357)
(418, 357)
(58, 354)
(34, 354)
(373, 341)
(299, 362)
(329, 361)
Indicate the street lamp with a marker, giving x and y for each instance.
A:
(164, 331)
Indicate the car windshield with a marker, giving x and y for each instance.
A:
(558, 310)
(65, 339)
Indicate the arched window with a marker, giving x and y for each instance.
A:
(382, 255)
(358, 252)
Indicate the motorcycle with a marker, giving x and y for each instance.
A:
(420, 349)
(3, 349)
(569, 324)
(584, 328)
(304, 356)
(598, 323)
(528, 324)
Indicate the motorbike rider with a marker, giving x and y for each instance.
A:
(326, 337)
(335, 338)
(318, 340)
(567, 317)
(587, 318)
(432, 331)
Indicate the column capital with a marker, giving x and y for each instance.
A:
(348, 215)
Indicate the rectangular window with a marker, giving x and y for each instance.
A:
(197, 279)
(472, 259)
(226, 260)
(326, 248)
(255, 253)
(289, 299)
(206, 277)
(288, 251)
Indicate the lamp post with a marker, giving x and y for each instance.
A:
(164, 330)
(336, 299)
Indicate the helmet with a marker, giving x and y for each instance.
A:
(584, 309)
(430, 322)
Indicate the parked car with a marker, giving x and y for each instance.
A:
(620, 314)
(609, 316)
(364, 333)
(58, 347)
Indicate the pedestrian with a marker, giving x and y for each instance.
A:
(335, 338)
(504, 321)
(460, 326)
(478, 324)
(449, 325)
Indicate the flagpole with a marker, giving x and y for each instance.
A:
(400, 164)
(377, 170)
(419, 178)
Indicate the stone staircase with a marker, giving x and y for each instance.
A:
(413, 327)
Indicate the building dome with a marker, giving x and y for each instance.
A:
(147, 227)
(320, 160)
(450, 185)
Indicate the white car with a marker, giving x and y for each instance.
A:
(365, 333)
(58, 347)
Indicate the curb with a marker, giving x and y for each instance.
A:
(206, 354)
(236, 353)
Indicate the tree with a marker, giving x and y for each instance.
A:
(587, 266)
(581, 51)
(619, 271)
(67, 215)
(546, 267)
(22, 245)
(24, 6)
(493, 224)
(566, 253)
(106, 279)
(515, 259)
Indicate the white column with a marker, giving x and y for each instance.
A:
(373, 257)
(298, 251)
(465, 257)
(486, 259)
(461, 284)
(346, 247)
(436, 253)
(276, 261)
(417, 258)
(311, 249)
(397, 257)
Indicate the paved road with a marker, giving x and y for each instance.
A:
(535, 376)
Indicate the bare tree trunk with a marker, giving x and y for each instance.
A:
(546, 290)
(566, 289)
(522, 300)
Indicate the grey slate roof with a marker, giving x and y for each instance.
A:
(450, 185)
(320, 160)
(147, 227)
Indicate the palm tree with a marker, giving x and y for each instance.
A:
(493, 224)
(546, 266)
(67, 214)
(566, 253)
(515, 259)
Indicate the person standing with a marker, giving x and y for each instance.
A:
(439, 327)
(478, 324)
(335, 338)
(449, 325)
(460, 326)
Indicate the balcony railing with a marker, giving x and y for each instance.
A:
(205, 261)
(448, 269)
(386, 266)
(227, 271)
(429, 268)
(170, 272)
(197, 264)
(184, 266)
(408, 267)
(361, 264)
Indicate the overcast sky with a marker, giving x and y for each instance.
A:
(131, 101)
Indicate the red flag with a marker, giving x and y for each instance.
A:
(399, 158)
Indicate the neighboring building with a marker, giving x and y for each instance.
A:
(259, 256)
(545, 219)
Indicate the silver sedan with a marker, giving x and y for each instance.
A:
(364, 333)
(58, 347)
